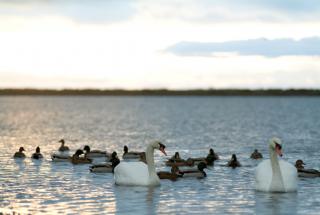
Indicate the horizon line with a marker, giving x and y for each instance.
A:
(160, 92)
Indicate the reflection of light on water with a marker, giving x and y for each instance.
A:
(110, 205)
(46, 187)
(136, 199)
(276, 203)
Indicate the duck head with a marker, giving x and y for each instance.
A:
(86, 148)
(114, 155)
(177, 155)
(61, 141)
(234, 157)
(125, 149)
(300, 164)
(79, 152)
(201, 166)
(21, 149)
(276, 146)
(211, 151)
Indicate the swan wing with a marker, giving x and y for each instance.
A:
(263, 176)
(131, 173)
(289, 176)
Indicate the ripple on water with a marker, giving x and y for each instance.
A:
(190, 125)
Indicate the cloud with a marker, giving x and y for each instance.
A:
(217, 11)
(201, 11)
(93, 11)
(263, 47)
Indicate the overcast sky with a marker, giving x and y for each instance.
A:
(175, 44)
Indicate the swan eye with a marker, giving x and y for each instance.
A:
(161, 146)
(278, 146)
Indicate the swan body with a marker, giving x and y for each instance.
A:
(135, 174)
(273, 175)
(264, 178)
(139, 173)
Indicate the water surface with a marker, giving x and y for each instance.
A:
(190, 125)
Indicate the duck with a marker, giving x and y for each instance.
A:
(76, 159)
(60, 157)
(139, 173)
(37, 154)
(176, 157)
(189, 162)
(130, 155)
(211, 157)
(199, 173)
(63, 148)
(234, 162)
(94, 153)
(173, 175)
(107, 167)
(20, 153)
(306, 173)
(275, 175)
(256, 155)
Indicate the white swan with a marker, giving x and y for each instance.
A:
(138, 173)
(273, 175)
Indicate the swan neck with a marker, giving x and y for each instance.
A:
(150, 160)
(277, 181)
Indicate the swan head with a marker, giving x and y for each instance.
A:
(275, 145)
(160, 146)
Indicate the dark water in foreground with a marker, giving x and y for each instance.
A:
(190, 125)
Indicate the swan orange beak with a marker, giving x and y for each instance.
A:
(163, 151)
(279, 151)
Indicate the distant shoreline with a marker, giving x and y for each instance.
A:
(160, 92)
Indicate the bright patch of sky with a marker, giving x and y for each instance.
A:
(176, 44)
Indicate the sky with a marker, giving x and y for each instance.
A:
(174, 44)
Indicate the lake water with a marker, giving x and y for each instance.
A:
(190, 125)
